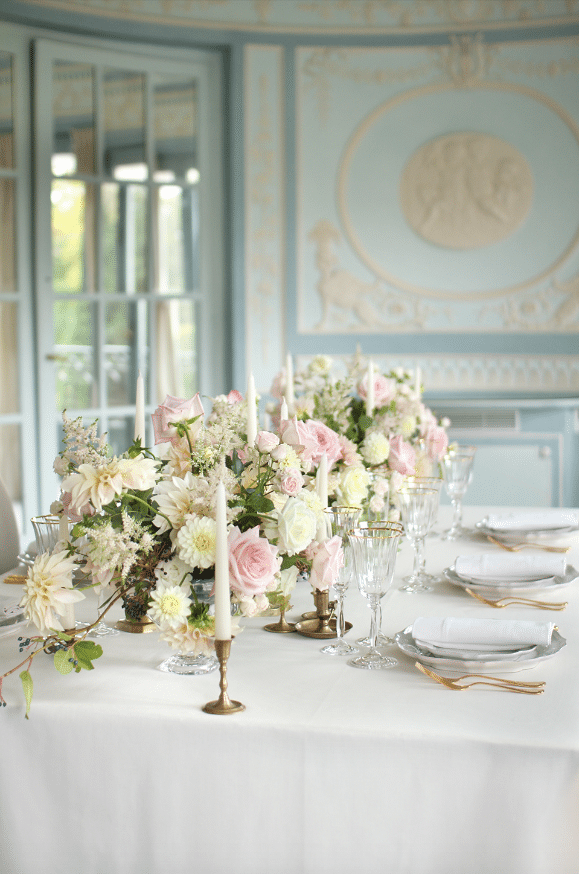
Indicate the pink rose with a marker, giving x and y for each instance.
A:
(266, 441)
(234, 397)
(436, 442)
(402, 456)
(278, 385)
(384, 389)
(328, 441)
(295, 434)
(328, 560)
(291, 482)
(176, 410)
(350, 454)
(253, 562)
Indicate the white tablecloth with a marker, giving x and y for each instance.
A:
(330, 770)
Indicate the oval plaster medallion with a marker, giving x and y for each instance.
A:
(466, 190)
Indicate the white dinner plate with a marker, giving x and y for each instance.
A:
(507, 663)
(512, 588)
(523, 536)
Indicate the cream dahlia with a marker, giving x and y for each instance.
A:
(48, 590)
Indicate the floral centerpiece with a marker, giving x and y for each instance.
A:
(144, 529)
(375, 428)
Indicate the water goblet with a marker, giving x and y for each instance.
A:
(418, 509)
(101, 629)
(341, 520)
(374, 552)
(456, 468)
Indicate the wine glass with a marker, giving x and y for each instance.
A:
(374, 551)
(342, 520)
(101, 629)
(418, 509)
(456, 468)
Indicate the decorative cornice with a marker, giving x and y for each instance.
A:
(331, 17)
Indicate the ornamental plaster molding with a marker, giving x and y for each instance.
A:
(488, 373)
(351, 305)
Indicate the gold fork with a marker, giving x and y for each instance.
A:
(514, 547)
(527, 602)
(497, 682)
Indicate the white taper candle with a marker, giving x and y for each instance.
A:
(289, 383)
(370, 390)
(140, 410)
(222, 591)
(251, 411)
(283, 412)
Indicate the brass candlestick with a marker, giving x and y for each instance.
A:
(282, 626)
(223, 704)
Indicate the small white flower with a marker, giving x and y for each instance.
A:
(196, 542)
(170, 606)
(172, 572)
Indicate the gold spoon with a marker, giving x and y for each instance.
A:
(528, 602)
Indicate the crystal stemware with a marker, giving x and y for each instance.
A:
(342, 520)
(456, 468)
(101, 629)
(418, 509)
(374, 552)
(189, 663)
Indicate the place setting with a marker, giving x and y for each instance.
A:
(512, 577)
(458, 645)
(530, 528)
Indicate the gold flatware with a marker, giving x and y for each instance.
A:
(14, 580)
(512, 599)
(514, 547)
(497, 682)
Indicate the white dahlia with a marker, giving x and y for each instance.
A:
(48, 590)
(196, 542)
(375, 448)
(170, 606)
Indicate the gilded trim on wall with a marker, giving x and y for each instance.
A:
(264, 231)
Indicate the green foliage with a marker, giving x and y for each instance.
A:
(85, 651)
(63, 661)
(27, 687)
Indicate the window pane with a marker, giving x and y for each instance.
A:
(9, 392)
(6, 112)
(126, 350)
(125, 250)
(7, 237)
(73, 236)
(124, 125)
(171, 276)
(176, 349)
(121, 430)
(75, 368)
(11, 466)
(73, 145)
(174, 125)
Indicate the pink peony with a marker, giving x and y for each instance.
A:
(295, 434)
(176, 410)
(328, 441)
(266, 441)
(384, 389)
(253, 562)
(436, 442)
(234, 397)
(291, 482)
(327, 561)
(402, 456)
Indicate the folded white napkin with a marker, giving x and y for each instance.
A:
(481, 634)
(532, 520)
(495, 568)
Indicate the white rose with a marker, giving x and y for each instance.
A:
(408, 427)
(296, 526)
(353, 486)
(288, 578)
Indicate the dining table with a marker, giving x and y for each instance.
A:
(328, 770)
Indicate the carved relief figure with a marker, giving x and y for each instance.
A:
(466, 190)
